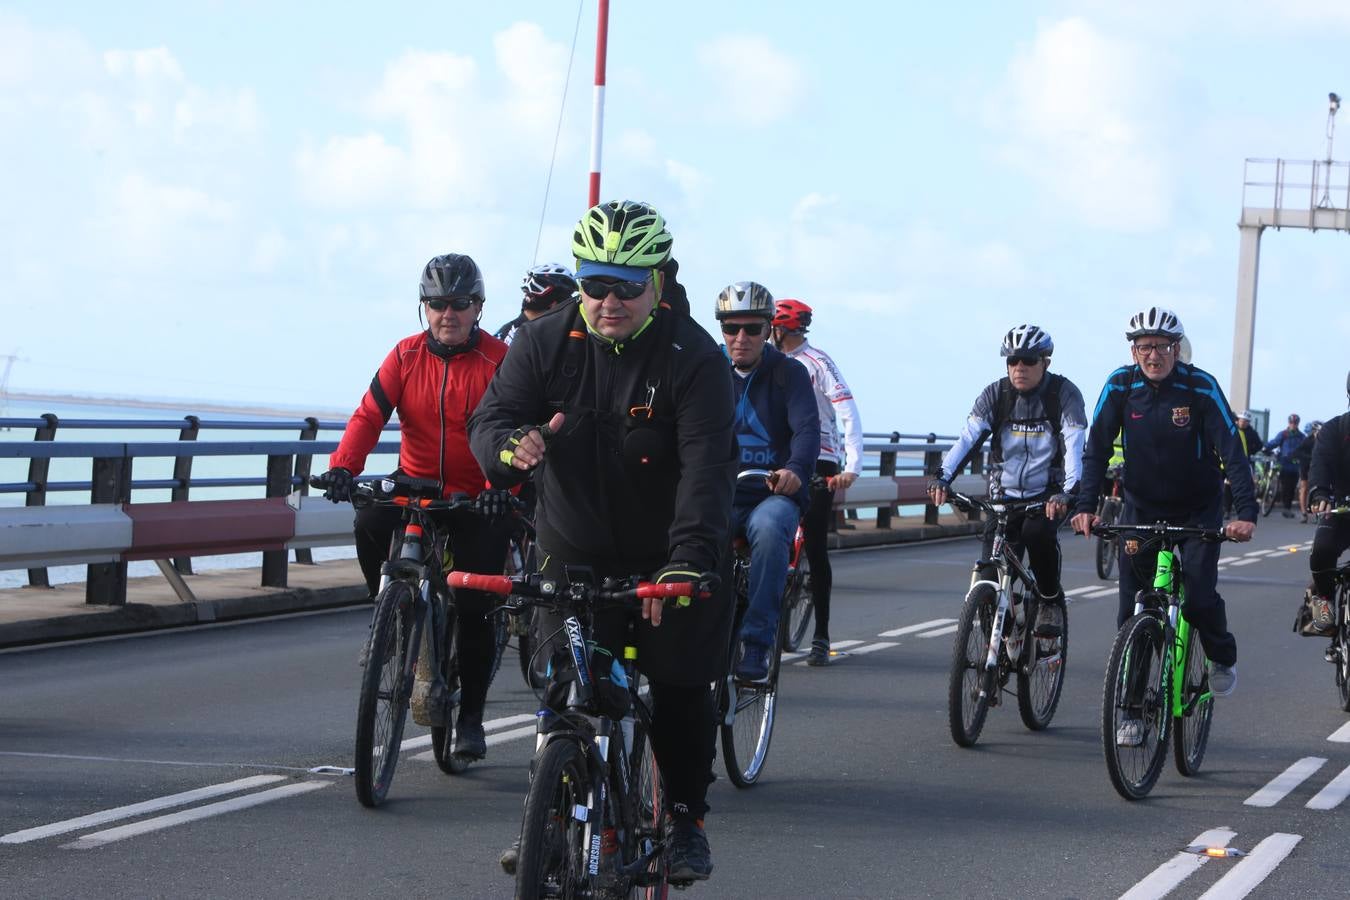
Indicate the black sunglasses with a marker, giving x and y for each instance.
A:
(458, 304)
(599, 290)
(754, 329)
(1023, 361)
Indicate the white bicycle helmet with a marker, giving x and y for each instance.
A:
(744, 298)
(1155, 321)
(1027, 340)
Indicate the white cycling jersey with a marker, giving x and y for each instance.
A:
(841, 434)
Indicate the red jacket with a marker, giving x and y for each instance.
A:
(435, 390)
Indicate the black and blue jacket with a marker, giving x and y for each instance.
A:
(777, 424)
(1175, 434)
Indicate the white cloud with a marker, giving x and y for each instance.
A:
(756, 83)
(1075, 117)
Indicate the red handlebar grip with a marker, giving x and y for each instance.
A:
(492, 584)
(671, 589)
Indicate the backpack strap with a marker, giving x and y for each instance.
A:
(1050, 401)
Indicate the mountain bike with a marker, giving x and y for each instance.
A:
(797, 602)
(524, 624)
(1157, 683)
(411, 647)
(1005, 629)
(1267, 481)
(1338, 653)
(594, 823)
(1108, 510)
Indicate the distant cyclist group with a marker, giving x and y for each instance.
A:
(609, 419)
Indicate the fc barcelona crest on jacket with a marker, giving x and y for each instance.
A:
(1131, 546)
(1181, 416)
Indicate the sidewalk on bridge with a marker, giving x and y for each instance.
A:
(45, 615)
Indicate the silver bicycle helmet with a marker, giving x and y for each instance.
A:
(1155, 321)
(1027, 340)
(744, 298)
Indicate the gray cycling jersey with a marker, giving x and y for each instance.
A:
(1029, 444)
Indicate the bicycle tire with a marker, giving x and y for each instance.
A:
(1341, 643)
(1190, 732)
(1106, 547)
(798, 604)
(1268, 498)
(534, 663)
(386, 689)
(501, 636)
(443, 736)
(1040, 681)
(1140, 642)
(648, 804)
(970, 686)
(755, 712)
(552, 860)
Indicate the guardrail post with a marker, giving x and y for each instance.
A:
(887, 470)
(303, 461)
(182, 473)
(37, 476)
(106, 583)
(932, 464)
(278, 485)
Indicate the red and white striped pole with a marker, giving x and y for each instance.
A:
(598, 100)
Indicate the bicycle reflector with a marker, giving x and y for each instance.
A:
(1216, 852)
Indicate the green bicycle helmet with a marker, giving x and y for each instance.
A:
(622, 233)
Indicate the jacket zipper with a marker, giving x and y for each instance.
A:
(440, 412)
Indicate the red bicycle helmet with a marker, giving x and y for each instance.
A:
(791, 315)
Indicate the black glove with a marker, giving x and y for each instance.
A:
(684, 573)
(1065, 500)
(938, 484)
(1318, 495)
(493, 503)
(340, 483)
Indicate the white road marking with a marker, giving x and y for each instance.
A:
(950, 629)
(157, 762)
(1101, 592)
(1243, 562)
(1279, 787)
(99, 838)
(1341, 735)
(136, 809)
(1254, 868)
(424, 740)
(500, 737)
(1336, 791)
(1162, 880)
(872, 648)
(1083, 590)
(910, 629)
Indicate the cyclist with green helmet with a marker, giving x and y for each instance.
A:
(619, 407)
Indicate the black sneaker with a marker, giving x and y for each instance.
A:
(754, 663)
(470, 741)
(820, 652)
(690, 857)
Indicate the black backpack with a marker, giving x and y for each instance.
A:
(1007, 398)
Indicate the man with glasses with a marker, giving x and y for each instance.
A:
(1285, 446)
(544, 287)
(1037, 423)
(619, 407)
(778, 429)
(434, 379)
(1180, 437)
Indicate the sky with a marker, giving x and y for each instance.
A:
(234, 201)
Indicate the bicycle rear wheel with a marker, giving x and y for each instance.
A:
(1190, 735)
(745, 742)
(443, 736)
(1040, 679)
(1340, 644)
(970, 686)
(1136, 690)
(386, 688)
(532, 644)
(797, 604)
(649, 803)
(1268, 498)
(552, 860)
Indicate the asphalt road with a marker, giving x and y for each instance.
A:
(864, 795)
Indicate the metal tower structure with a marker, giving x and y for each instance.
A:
(1281, 193)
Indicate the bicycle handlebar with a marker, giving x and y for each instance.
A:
(1161, 529)
(967, 502)
(536, 587)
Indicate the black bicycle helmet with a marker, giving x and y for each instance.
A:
(547, 285)
(452, 275)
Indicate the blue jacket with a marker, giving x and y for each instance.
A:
(1285, 444)
(777, 424)
(1174, 433)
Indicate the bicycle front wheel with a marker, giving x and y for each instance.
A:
(797, 604)
(1340, 645)
(649, 803)
(1106, 547)
(970, 686)
(443, 736)
(1268, 498)
(552, 861)
(386, 688)
(745, 741)
(1136, 711)
(1190, 735)
(1040, 679)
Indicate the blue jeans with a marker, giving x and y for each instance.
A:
(769, 526)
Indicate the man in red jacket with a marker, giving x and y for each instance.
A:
(435, 379)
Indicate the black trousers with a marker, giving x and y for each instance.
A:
(816, 530)
(1036, 536)
(1331, 540)
(1288, 487)
(1203, 606)
(478, 546)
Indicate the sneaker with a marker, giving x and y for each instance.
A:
(820, 652)
(1320, 607)
(1130, 733)
(470, 741)
(1222, 679)
(1049, 627)
(510, 856)
(690, 856)
(754, 663)
(1288, 514)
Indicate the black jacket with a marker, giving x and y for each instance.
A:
(623, 493)
(1330, 472)
(1174, 434)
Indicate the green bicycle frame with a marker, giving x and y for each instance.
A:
(1164, 579)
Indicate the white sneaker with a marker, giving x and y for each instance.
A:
(1130, 733)
(1222, 679)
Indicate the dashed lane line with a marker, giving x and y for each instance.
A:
(424, 740)
(136, 809)
(910, 629)
(1244, 561)
(1082, 590)
(1162, 880)
(1254, 868)
(1341, 735)
(950, 629)
(122, 832)
(1100, 592)
(872, 648)
(1279, 787)
(500, 737)
(1334, 793)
